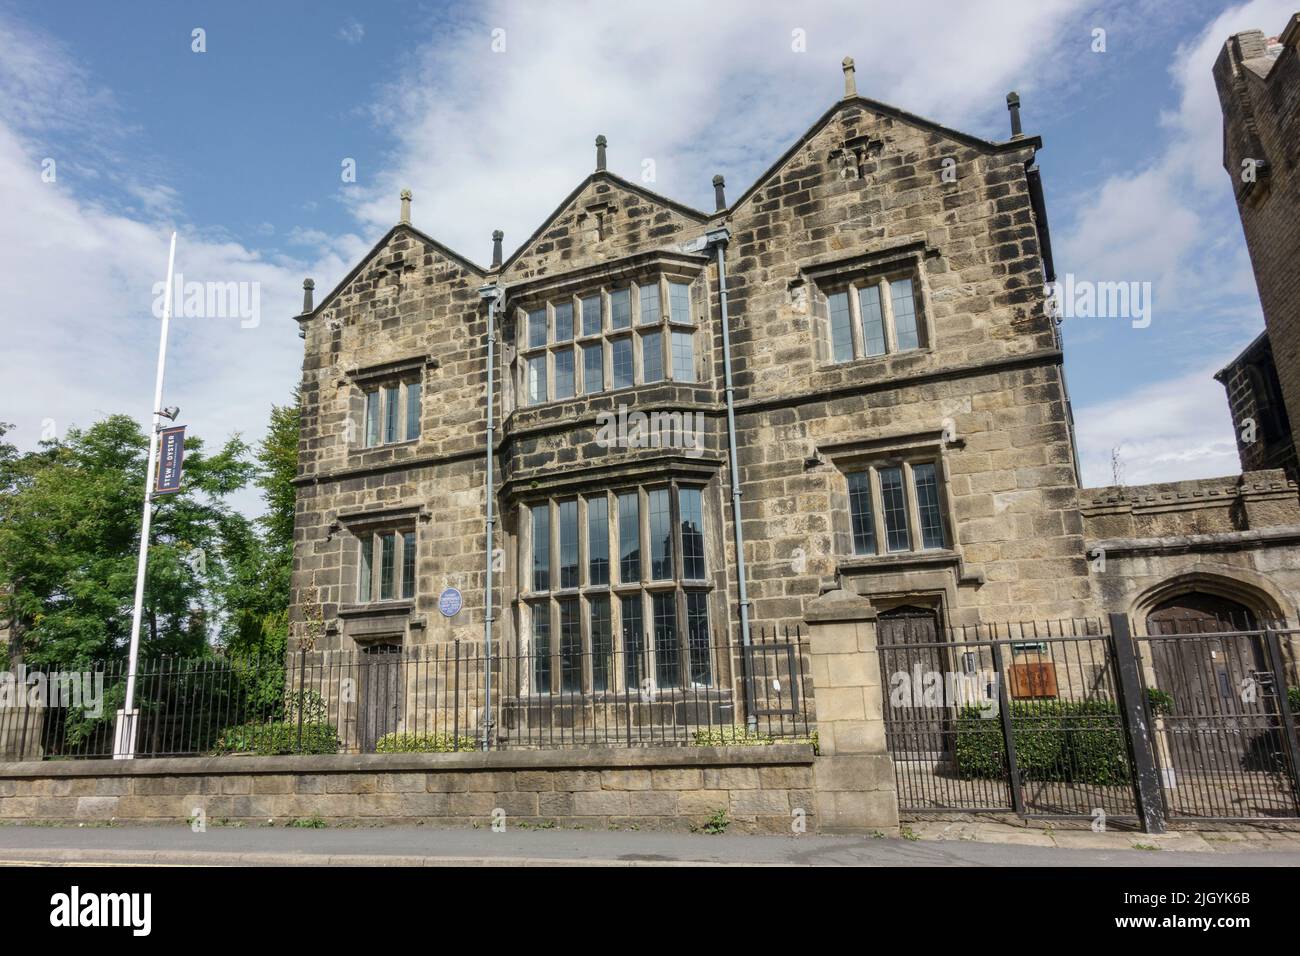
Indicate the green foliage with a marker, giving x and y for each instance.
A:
(1293, 697)
(717, 823)
(737, 735)
(426, 743)
(1068, 741)
(268, 740)
(69, 535)
(1159, 702)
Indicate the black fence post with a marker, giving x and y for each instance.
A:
(1008, 733)
(302, 693)
(1146, 779)
(455, 701)
(1290, 742)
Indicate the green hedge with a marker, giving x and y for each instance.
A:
(400, 743)
(282, 738)
(736, 736)
(1067, 741)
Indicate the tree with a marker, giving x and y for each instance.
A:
(262, 564)
(69, 534)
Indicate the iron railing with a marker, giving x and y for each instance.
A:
(431, 698)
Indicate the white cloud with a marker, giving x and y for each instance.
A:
(496, 139)
(1165, 431)
(1172, 221)
(352, 32)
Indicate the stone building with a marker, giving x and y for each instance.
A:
(871, 315)
(1258, 80)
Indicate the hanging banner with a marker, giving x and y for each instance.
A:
(171, 451)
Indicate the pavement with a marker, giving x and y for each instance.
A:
(924, 845)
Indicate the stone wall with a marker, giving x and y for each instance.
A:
(1258, 80)
(1236, 536)
(761, 789)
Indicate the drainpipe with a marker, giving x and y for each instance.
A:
(492, 294)
(718, 238)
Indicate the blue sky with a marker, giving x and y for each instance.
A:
(240, 148)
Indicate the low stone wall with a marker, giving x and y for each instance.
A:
(762, 789)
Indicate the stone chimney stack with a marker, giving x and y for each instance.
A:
(1013, 106)
(406, 207)
(497, 236)
(719, 194)
(308, 286)
(601, 143)
(850, 80)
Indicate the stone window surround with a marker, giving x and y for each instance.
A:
(359, 525)
(630, 276)
(884, 451)
(526, 599)
(399, 372)
(881, 266)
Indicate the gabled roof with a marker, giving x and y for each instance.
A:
(987, 145)
(606, 175)
(365, 260)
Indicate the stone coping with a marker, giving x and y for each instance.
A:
(578, 759)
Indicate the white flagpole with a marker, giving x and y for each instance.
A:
(124, 744)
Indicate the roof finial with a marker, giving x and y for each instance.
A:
(719, 194)
(850, 81)
(406, 206)
(497, 236)
(601, 143)
(1013, 104)
(307, 286)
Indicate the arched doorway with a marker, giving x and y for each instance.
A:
(1214, 683)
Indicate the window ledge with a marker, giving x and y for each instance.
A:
(376, 608)
(934, 558)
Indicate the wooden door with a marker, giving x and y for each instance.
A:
(912, 729)
(381, 693)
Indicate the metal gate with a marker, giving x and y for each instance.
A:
(1224, 733)
(1079, 719)
(1024, 719)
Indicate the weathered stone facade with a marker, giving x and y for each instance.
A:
(902, 428)
(1258, 80)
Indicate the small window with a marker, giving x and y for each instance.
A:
(541, 648)
(629, 538)
(570, 646)
(602, 643)
(620, 309)
(622, 363)
(635, 670)
(569, 543)
(652, 357)
(894, 509)
(393, 575)
(593, 368)
(564, 322)
(537, 328)
(542, 548)
(683, 356)
(873, 317)
(899, 504)
(388, 565)
(690, 501)
(537, 380)
(597, 541)
(591, 322)
(392, 413)
(412, 410)
(408, 565)
(564, 374)
(372, 418)
(649, 304)
(661, 535)
(666, 651)
(679, 302)
(697, 637)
